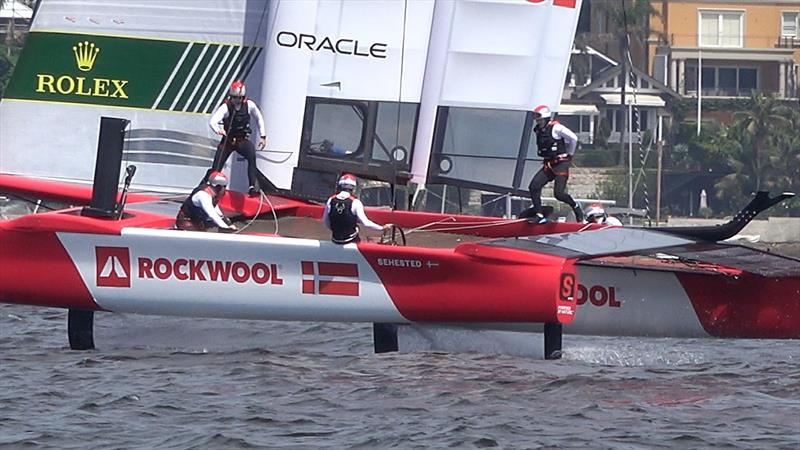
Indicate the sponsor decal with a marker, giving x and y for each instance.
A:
(185, 269)
(65, 84)
(113, 267)
(563, 3)
(393, 262)
(341, 46)
(568, 310)
(330, 278)
(598, 296)
(567, 290)
(98, 69)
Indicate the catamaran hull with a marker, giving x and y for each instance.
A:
(196, 274)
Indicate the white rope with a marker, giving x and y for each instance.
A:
(466, 225)
(260, 204)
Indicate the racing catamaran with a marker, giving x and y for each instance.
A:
(394, 91)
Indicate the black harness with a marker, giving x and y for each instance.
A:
(343, 222)
(548, 147)
(237, 125)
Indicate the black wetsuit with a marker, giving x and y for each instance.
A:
(237, 130)
(555, 166)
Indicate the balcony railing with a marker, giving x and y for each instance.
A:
(788, 42)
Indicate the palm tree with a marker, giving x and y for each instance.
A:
(763, 125)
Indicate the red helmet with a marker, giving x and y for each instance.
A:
(217, 179)
(542, 112)
(237, 89)
(347, 181)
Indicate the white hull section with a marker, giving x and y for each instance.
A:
(197, 274)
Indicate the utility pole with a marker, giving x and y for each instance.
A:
(623, 51)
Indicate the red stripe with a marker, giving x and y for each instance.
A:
(308, 286)
(338, 287)
(338, 269)
(308, 267)
(565, 3)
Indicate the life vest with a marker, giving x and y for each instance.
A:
(237, 125)
(548, 147)
(343, 222)
(195, 213)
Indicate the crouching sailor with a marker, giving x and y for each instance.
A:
(199, 211)
(343, 213)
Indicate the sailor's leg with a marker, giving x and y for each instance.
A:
(221, 156)
(561, 171)
(246, 149)
(535, 188)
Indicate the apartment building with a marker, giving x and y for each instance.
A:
(726, 48)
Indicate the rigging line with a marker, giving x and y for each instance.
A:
(247, 70)
(462, 225)
(469, 227)
(126, 154)
(399, 107)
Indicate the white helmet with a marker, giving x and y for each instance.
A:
(542, 112)
(217, 179)
(347, 181)
(594, 212)
(238, 89)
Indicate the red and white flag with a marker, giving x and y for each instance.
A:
(330, 278)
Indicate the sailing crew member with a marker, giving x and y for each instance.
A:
(343, 213)
(200, 211)
(555, 144)
(231, 120)
(596, 214)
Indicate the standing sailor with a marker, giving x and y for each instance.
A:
(200, 210)
(231, 120)
(343, 213)
(556, 144)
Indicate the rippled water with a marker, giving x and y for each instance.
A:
(182, 383)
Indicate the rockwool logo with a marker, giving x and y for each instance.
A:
(113, 268)
(330, 278)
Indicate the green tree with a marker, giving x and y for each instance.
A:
(11, 46)
(762, 151)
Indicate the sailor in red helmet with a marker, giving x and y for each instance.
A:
(556, 144)
(200, 211)
(231, 120)
(343, 213)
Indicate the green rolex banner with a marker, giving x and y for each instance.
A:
(127, 72)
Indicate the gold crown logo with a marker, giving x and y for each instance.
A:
(85, 55)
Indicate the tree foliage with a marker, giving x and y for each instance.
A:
(758, 150)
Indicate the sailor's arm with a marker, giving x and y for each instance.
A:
(358, 210)
(216, 119)
(204, 200)
(252, 108)
(325, 219)
(570, 138)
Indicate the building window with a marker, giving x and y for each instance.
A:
(721, 29)
(723, 81)
(790, 24)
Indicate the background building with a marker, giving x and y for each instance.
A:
(729, 48)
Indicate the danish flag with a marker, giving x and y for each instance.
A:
(330, 278)
(113, 268)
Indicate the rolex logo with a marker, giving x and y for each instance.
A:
(85, 55)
